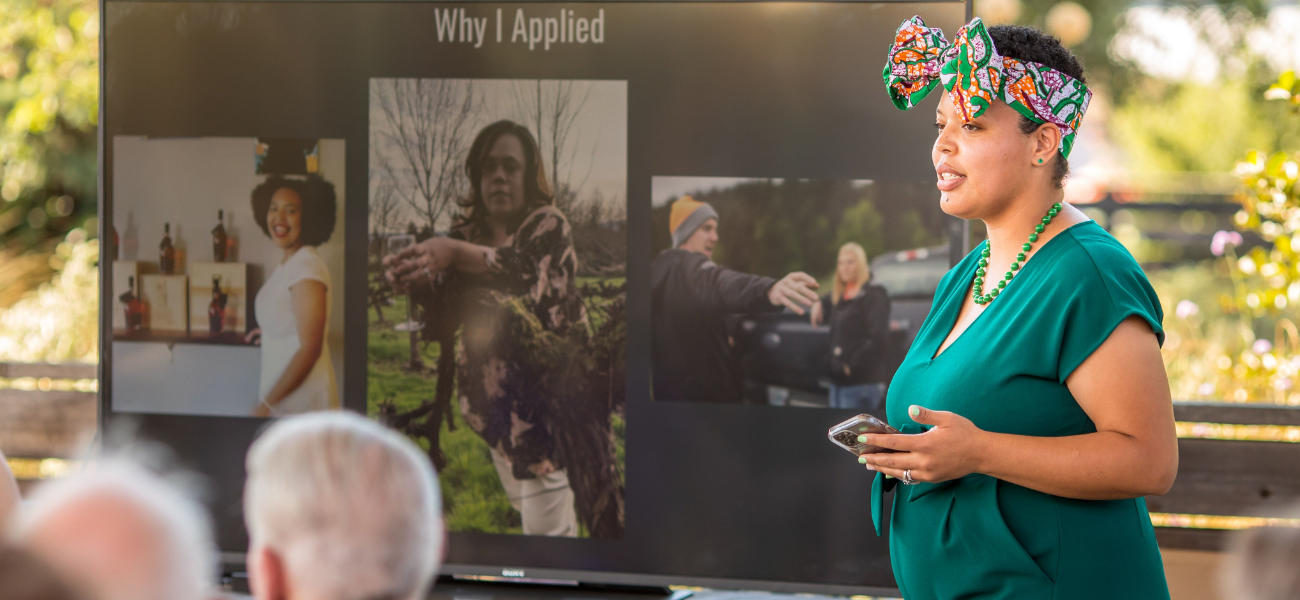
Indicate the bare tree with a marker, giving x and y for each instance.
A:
(550, 109)
(384, 218)
(421, 129)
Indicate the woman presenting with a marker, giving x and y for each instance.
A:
(293, 305)
(1034, 405)
(858, 312)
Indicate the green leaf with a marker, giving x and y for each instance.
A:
(1275, 163)
(1286, 81)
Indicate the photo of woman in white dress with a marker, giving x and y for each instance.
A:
(293, 306)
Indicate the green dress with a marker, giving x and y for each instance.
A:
(980, 537)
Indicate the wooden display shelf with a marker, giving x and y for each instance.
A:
(225, 338)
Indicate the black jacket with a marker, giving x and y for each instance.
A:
(859, 336)
(692, 296)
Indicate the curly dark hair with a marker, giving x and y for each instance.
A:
(319, 204)
(537, 192)
(1031, 45)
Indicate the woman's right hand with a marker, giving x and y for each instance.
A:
(254, 337)
(816, 314)
(419, 262)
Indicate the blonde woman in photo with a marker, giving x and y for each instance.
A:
(857, 311)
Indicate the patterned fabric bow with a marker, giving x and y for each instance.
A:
(974, 74)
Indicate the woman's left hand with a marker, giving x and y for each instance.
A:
(420, 262)
(951, 449)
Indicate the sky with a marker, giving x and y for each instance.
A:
(599, 133)
(1184, 44)
(664, 190)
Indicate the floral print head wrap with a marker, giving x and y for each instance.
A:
(974, 74)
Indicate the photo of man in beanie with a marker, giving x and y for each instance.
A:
(692, 297)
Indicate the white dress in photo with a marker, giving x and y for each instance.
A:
(274, 305)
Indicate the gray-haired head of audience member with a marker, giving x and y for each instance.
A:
(118, 531)
(340, 508)
(1263, 564)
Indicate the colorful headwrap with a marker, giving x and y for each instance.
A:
(975, 74)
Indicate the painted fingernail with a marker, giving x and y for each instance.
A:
(871, 468)
(862, 438)
(914, 411)
(862, 460)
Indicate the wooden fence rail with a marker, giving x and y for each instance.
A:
(47, 424)
(1223, 471)
(1231, 476)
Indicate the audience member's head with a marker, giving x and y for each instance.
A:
(1263, 564)
(340, 508)
(119, 532)
(25, 577)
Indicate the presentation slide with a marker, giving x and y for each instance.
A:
(616, 267)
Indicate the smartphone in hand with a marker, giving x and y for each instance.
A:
(845, 435)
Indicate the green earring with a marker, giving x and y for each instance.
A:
(1040, 161)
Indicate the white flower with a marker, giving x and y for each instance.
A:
(1261, 346)
(1219, 243)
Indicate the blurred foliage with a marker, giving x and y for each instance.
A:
(1268, 275)
(1190, 127)
(20, 272)
(59, 321)
(1102, 20)
(49, 87)
(1287, 87)
(1245, 346)
(1093, 51)
(1162, 124)
(861, 223)
(1212, 351)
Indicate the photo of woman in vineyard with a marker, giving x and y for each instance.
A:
(533, 359)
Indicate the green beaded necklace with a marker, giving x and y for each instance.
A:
(980, 297)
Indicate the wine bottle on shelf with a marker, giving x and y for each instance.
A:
(166, 252)
(219, 239)
(134, 312)
(217, 308)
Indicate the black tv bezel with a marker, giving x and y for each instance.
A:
(234, 562)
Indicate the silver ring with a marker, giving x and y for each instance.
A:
(427, 275)
(907, 477)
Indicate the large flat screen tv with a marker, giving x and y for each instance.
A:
(260, 160)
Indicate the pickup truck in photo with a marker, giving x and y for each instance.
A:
(785, 360)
